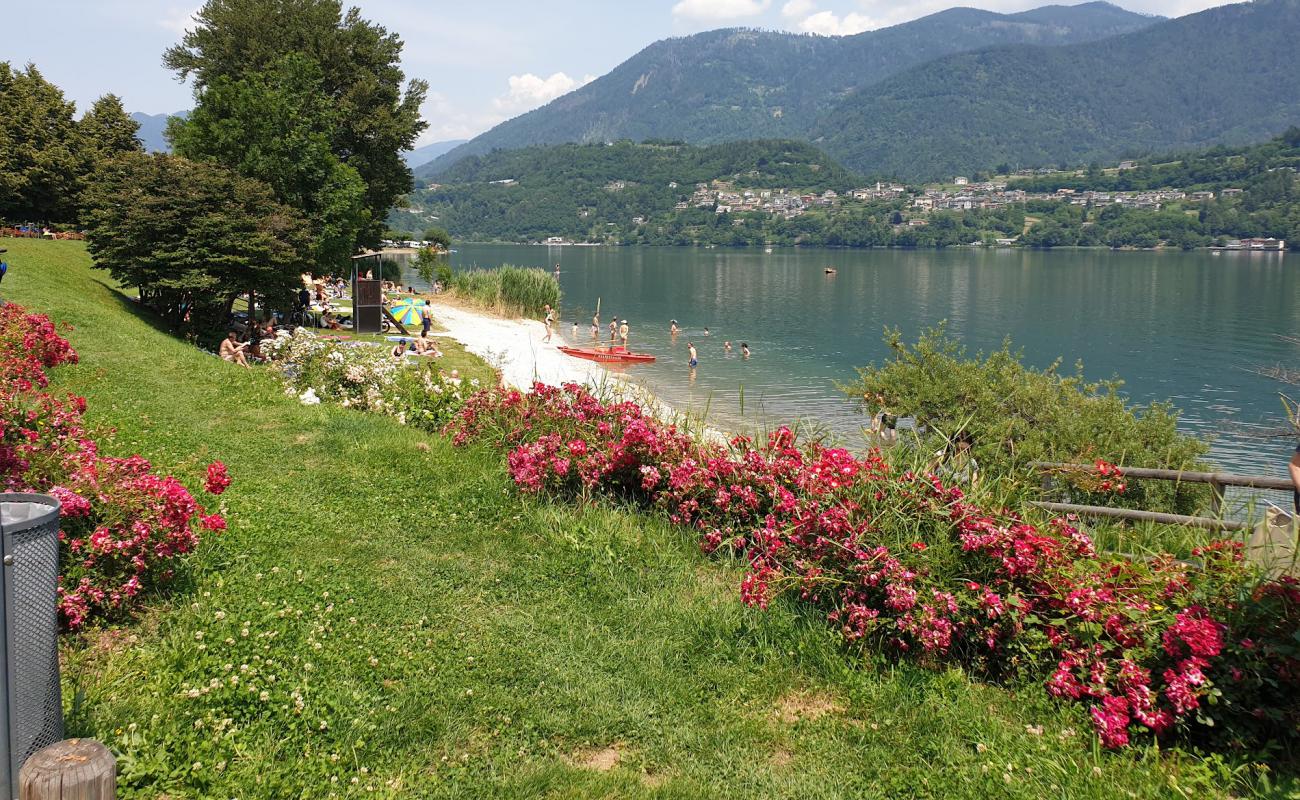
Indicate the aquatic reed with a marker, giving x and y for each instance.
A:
(508, 290)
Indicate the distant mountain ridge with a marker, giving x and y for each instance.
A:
(423, 155)
(152, 127)
(733, 84)
(1228, 75)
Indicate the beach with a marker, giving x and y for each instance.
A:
(515, 347)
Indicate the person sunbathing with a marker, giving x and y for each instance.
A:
(424, 346)
(232, 350)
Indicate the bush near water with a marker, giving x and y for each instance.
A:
(1015, 415)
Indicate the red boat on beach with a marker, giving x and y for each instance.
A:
(610, 355)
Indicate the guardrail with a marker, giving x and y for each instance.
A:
(1217, 481)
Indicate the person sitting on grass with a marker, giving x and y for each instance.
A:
(399, 350)
(231, 349)
(328, 320)
(425, 346)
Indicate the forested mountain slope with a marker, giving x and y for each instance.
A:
(746, 84)
(1226, 75)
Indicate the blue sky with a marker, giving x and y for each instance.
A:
(485, 61)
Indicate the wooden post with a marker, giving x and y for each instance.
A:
(74, 769)
(1216, 498)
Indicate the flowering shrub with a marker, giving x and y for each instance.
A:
(901, 562)
(368, 379)
(123, 528)
(354, 376)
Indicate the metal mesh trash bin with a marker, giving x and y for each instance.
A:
(31, 712)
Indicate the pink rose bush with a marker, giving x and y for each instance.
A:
(123, 527)
(903, 563)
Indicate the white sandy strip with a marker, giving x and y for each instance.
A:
(516, 348)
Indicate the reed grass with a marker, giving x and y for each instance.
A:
(508, 290)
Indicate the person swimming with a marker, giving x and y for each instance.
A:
(726, 347)
(744, 350)
(706, 331)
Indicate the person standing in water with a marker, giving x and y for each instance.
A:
(595, 325)
(726, 347)
(695, 359)
(622, 333)
(744, 350)
(613, 329)
(674, 330)
(706, 331)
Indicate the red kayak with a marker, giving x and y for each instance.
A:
(607, 354)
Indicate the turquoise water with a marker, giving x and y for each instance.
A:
(1186, 327)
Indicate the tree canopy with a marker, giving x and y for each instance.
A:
(276, 126)
(192, 235)
(362, 109)
(46, 156)
(40, 165)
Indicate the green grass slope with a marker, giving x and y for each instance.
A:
(386, 618)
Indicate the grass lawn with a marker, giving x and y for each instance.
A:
(386, 618)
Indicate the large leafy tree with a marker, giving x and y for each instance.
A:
(192, 235)
(40, 164)
(276, 126)
(375, 117)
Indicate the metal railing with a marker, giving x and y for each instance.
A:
(1217, 481)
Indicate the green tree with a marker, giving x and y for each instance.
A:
(107, 131)
(192, 236)
(360, 78)
(276, 126)
(438, 237)
(40, 162)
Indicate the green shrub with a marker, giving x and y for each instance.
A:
(1016, 414)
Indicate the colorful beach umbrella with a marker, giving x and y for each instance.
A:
(406, 311)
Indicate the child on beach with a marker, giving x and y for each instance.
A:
(550, 321)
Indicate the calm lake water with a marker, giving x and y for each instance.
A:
(1175, 326)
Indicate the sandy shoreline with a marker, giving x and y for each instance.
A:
(515, 347)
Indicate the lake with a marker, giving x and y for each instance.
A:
(1186, 327)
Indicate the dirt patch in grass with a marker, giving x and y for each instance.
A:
(804, 706)
(781, 758)
(597, 760)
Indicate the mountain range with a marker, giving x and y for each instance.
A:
(733, 84)
(152, 127)
(423, 155)
(953, 92)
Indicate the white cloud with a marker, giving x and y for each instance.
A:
(528, 91)
(178, 18)
(827, 23)
(797, 8)
(719, 10)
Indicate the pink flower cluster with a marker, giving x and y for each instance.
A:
(904, 563)
(123, 528)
